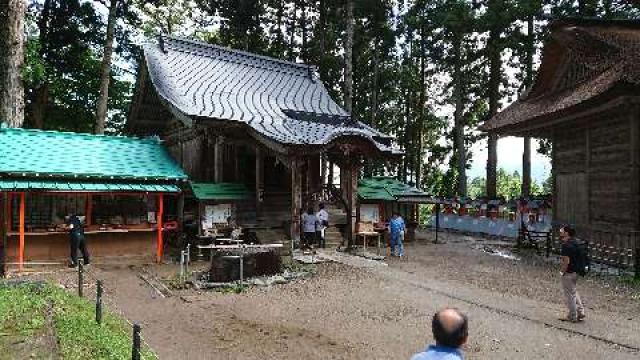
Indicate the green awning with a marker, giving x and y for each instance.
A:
(382, 188)
(85, 157)
(374, 194)
(78, 186)
(220, 191)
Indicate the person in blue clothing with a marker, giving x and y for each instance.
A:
(397, 229)
(450, 330)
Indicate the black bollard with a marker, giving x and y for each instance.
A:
(437, 221)
(99, 302)
(135, 351)
(80, 277)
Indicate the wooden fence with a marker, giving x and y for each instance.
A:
(607, 248)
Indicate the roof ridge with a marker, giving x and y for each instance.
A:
(78, 134)
(301, 66)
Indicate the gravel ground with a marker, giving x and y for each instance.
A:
(367, 310)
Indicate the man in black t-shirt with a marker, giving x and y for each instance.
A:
(77, 240)
(568, 271)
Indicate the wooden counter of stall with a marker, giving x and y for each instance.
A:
(110, 242)
(118, 184)
(135, 228)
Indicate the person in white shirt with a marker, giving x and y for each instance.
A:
(309, 226)
(323, 223)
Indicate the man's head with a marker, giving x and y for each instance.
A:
(321, 206)
(567, 232)
(396, 214)
(450, 328)
(310, 211)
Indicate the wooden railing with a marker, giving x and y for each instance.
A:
(608, 249)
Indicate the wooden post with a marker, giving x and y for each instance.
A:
(218, 160)
(21, 249)
(296, 200)
(135, 348)
(259, 181)
(330, 173)
(160, 239)
(349, 184)
(323, 170)
(526, 168)
(80, 277)
(3, 236)
(99, 302)
(634, 133)
(180, 211)
(636, 259)
(88, 210)
(9, 212)
(236, 163)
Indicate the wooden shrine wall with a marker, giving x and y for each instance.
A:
(595, 166)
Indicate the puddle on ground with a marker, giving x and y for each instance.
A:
(497, 252)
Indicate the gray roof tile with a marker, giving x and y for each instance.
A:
(281, 100)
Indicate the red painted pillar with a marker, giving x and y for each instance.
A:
(21, 250)
(160, 239)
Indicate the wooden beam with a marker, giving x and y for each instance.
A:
(160, 241)
(21, 247)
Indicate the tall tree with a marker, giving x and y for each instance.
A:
(62, 68)
(348, 57)
(495, 23)
(105, 69)
(11, 61)
(458, 119)
(530, 10)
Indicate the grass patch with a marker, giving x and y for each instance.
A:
(630, 280)
(23, 309)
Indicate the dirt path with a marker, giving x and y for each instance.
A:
(359, 311)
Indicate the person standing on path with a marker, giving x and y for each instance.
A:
(323, 222)
(397, 229)
(570, 258)
(450, 330)
(77, 240)
(309, 226)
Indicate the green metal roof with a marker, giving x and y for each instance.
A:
(29, 153)
(220, 191)
(76, 186)
(382, 188)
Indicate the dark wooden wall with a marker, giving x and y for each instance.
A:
(595, 168)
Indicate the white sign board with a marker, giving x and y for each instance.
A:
(216, 213)
(369, 213)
